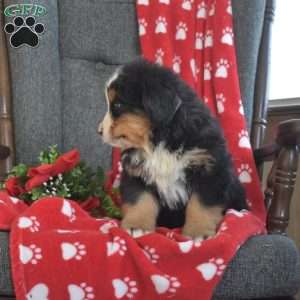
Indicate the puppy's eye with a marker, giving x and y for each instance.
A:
(117, 105)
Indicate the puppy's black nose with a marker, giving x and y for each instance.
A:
(100, 129)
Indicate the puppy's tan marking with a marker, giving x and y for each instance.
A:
(142, 214)
(201, 220)
(133, 129)
(111, 94)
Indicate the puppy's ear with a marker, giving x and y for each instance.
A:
(160, 104)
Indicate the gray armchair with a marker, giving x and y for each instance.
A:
(57, 98)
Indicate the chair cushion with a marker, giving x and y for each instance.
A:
(265, 266)
(98, 30)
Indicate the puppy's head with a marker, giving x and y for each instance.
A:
(141, 97)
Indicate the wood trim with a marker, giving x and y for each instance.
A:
(6, 119)
(262, 79)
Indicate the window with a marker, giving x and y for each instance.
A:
(285, 52)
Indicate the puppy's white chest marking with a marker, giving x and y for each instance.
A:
(166, 171)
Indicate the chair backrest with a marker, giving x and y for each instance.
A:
(81, 68)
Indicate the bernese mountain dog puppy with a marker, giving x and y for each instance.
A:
(176, 168)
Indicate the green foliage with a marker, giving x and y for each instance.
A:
(78, 184)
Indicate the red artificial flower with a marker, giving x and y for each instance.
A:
(64, 163)
(90, 203)
(13, 186)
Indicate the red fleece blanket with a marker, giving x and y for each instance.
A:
(59, 252)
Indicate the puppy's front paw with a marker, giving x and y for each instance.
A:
(196, 231)
(137, 229)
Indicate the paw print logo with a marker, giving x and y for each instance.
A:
(212, 9)
(245, 173)
(220, 103)
(151, 254)
(187, 4)
(195, 70)
(14, 200)
(73, 250)
(229, 8)
(208, 39)
(82, 291)
(165, 284)
(106, 227)
(118, 245)
(24, 32)
(207, 71)
(244, 141)
(215, 266)
(142, 26)
(161, 25)
(159, 54)
(29, 222)
(124, 288)
(181, 30)
(199, 40)
(176, 64)
(222, 68)
(227, 36)
(241, 108)
(202, 10)
(143, 2)
(167, 2)
(31, 254)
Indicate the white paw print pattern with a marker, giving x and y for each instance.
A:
(142, 26)
(31, 254)
(151, 254)
(229, 8)
(14, 200)
(212, 9)
(249, 203)
(220, 103)
(205, 99)
(227, 36)
(165, 284)
(30, 223)
(208, 42)
(244, 141)
(187, 4)
(176, 64)
(222, 68)
(40, 291)
(161, 25)
(202, 10)
(124, 288)
(223, 227)
(245, 173)
(143, 2)
(170, 235)
(167, 2)
(118, 245)
(159, 54)
(73, 250)
(106, 227)
(199, 41)
(68, 210)
(207, 71)
(187, 246)
(239, 214)
(215, 266)
(241, 109)
(195, 70)
(81, 292)
(181, 30)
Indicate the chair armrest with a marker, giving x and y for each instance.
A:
(282, 178)
(4, 152)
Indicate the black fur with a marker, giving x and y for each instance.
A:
(180, 120)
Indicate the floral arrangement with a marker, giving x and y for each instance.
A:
(64, 175)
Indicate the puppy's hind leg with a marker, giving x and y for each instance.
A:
(201, 220)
